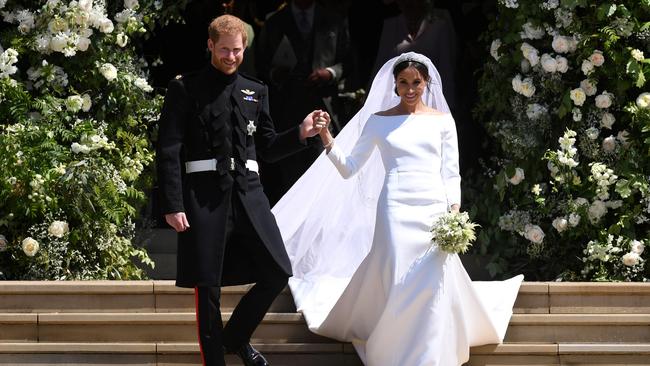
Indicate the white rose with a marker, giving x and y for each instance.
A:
(142, 84)
(597, 58)
(587, 67)
(574, 219)
(108, 71)
(560, 44)
(121, 39)
(560, 224)
(578, 96)
(607, 120)
(106, 25)
(83, 43)
(637, 247)
(562, 64)
(518, 177)
(588, 86)
(3, 243)
(631, 259)
(86, 103)
(534, 233)
(643, 100)
(527, 87)
(30, 247)
(604, 100)
(609, 144)
(592, 133)
(73, 103)
(58, 229)
(549, 64)
(79, 148)
(637, 55)
(494, 49)
(597, 210)
(58, 42)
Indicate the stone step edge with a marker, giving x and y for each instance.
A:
(292, 318)
(168, 287)
(517, 349)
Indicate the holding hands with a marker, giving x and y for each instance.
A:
(314, 123)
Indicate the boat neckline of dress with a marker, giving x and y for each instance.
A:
(412, 114)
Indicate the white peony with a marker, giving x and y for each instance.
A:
(106, 26)
(562, 64)
(574, 219)
(30, 247)
(518, 177)
(86, 103)
(588, 86)
(549, 64)
(121, 39)
(560, 224)
(74, 103)
(643, 100)
(637, 247)
(83, 43)
(604, 100)
(631, 259)
(607, 120)
(637, 55)
(597, 58)
(609, 143)
(560, 44)
(578, 96)
(108, 71)
(58, 229)
(494, 49)
(142, 84)
(534, 233)
(587, 67)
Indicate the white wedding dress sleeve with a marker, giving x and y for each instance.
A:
(364, 267)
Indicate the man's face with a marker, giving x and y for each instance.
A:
(227, 52)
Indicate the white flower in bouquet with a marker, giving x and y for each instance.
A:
(549, 64)
(534, 111)
(131, 4)
(30, 246)
(588, 86)
(607, 120)
(536, 190)
(83, 43)
(517, 177)
(609, 144)
(142, 84)
(59, 42)
(631, 259)
(86, 103)
(79, 148)
(574, 219)
(578, 96)
(562, 64)
(58, 229)
(560, 224)
(7, 60)
(57, 25)
(85, 5)
(3, 3)
(74, 103)
(106, 26)
(525, 66)
(121, 39)
(592, 133)
(604, 100)
(560, 44)
(534, 233)
(531, 32)
(623, 138)
(42, 44)
(513, 4)
(108, 71)
(614, 204)
(25, 20)
(643, 100)
(3, 243)
(530, 53)
(576, 114)
(597, 58)
(637, 247)
(453, 232)
(587, 67)
(596, 211)
(550, 4)
(494, 49)
(637, 55)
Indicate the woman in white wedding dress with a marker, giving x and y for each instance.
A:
(357, 232)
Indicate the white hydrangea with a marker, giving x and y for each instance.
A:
(108, 71)
(596, 211)
(637, 55)
(550, 4)
(563, 17)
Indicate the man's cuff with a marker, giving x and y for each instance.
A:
(331, 70)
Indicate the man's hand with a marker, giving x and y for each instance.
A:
(319, 76)
(178, 221)
(313, 123)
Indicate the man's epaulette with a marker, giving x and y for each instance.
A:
(251, 78)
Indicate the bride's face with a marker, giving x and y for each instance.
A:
(410, 85)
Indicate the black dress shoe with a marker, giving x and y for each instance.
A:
(251, 356)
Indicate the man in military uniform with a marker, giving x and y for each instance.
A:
(214, 124)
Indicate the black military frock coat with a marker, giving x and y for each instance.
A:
(208, 114)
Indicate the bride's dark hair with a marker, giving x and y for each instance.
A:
(422, 68)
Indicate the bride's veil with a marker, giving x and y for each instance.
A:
(327, 222)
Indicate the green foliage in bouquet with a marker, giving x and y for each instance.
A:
(76, 113)
(453, 232)
(565, 98)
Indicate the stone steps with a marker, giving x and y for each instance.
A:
(95, 323)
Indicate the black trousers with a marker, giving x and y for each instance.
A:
(247, 315)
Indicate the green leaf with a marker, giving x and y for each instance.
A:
(623, 188)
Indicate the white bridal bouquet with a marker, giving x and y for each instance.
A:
(453, 232)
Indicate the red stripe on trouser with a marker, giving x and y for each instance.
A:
(198, 328)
